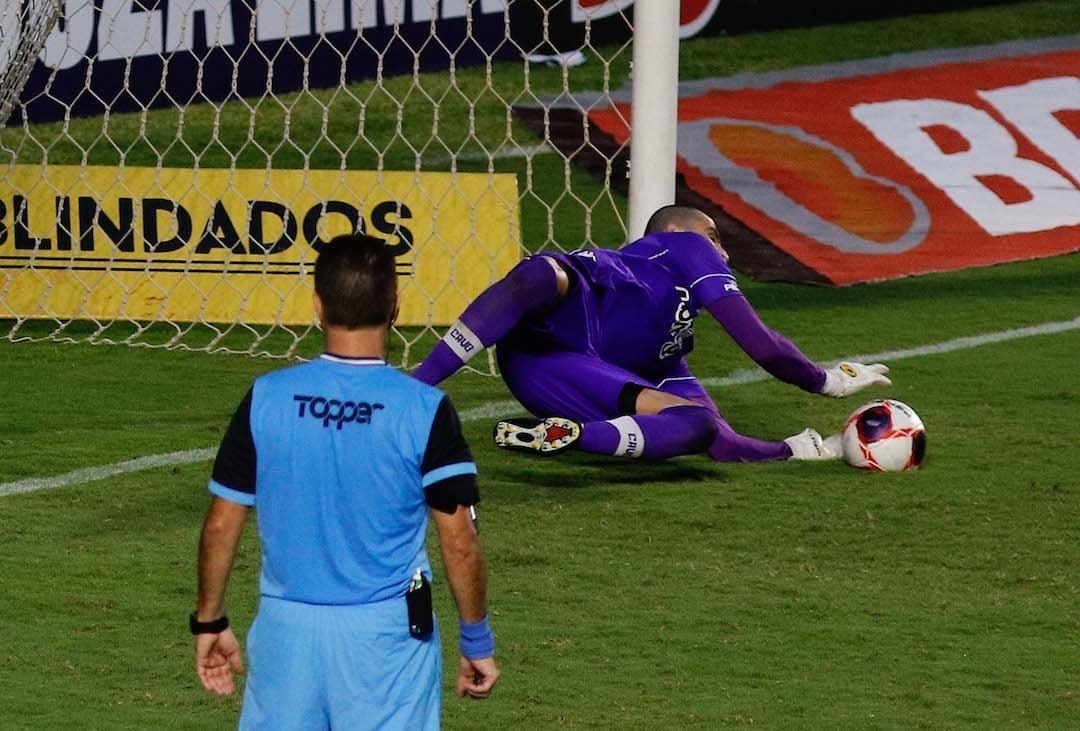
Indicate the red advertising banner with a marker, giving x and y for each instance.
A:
(693, 14)
(920, 167)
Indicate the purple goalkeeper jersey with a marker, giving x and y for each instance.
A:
(634, 307)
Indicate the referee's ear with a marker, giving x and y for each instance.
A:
(317, 302)
(393, 312)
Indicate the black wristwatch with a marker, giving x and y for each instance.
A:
(213, 627)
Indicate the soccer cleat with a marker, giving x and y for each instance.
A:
(809, 445)
(545, 436)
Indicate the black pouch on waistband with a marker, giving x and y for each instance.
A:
(421, 613)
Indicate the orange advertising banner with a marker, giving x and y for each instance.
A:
(889, 167)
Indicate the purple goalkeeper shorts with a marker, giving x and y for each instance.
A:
(583, 387)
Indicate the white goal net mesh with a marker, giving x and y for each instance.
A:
(24, 26)
(172, 166)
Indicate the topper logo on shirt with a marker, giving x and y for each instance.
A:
(333, 411)
(682, 327)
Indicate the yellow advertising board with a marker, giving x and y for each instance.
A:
(215, 245)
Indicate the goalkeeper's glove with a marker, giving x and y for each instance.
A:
(847, 378)
(810, 445)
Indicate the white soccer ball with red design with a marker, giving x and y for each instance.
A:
(884, 435)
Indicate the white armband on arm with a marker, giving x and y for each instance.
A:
(462, 341)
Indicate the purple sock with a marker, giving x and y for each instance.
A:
(730, 446)
(529, 286)
(438, 366)
(673, 432)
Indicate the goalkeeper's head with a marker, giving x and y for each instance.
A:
(685, 218)
(356, 284)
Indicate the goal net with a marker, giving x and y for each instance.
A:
(172, 166)
(24, 27)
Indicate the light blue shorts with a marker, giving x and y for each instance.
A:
(340, 667)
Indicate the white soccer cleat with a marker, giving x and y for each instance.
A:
(546, 437)
(809, 445)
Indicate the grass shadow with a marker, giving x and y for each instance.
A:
(584, 471)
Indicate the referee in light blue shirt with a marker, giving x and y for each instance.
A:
(344, 458)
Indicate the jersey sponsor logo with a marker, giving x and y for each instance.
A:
(682, 326)
(873, 170)
(334, 411)
(219, 245)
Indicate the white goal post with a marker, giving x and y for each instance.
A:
(655, 88)
(171, 168)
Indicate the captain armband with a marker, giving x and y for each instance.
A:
(463, 341)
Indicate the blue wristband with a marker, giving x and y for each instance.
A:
(477, 641)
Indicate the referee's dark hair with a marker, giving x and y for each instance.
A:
(356, 280)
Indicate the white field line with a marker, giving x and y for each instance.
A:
(90, 474)
(753, 375)
(512, 151)
(500, 408)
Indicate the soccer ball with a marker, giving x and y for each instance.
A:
(884, 435)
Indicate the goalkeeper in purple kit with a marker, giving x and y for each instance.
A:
(593, 344)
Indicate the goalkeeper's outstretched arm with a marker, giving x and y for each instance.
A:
(780, 358)
(768, 348)
(535, 283)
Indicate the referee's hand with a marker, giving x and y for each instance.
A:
(476, 677)
(217, 657)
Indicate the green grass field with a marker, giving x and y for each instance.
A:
(683, 594)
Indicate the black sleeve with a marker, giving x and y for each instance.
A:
(448, 470)
(234, 466)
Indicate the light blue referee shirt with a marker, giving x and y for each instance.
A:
(341, 459)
